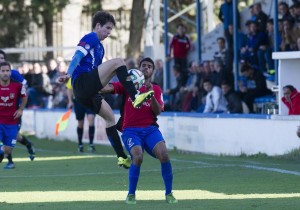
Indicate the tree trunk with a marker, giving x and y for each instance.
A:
(136, 28)
(49, 37)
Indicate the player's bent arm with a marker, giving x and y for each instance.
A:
(109, 88)
(75, 61)
(155, 106)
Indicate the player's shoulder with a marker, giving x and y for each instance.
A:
(156, 87)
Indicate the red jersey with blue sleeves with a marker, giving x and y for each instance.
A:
(142, 117)
(9, 102)
(93, 51)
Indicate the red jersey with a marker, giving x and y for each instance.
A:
(9, 102)
(181, 46)
(142, 117)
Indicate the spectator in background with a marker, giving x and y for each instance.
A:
(130, 63)
(226, 17)
(223, 54)
(261, 17)
(52, 69)
(265, 51)
(180, 46)
(257, 39)
(221, 74)
(291, 98)
(283, 9)
(215, 101)
(158, 75)
(234, 102)
(39, 88)
(175, 100)
(255, 85)
(289, 36)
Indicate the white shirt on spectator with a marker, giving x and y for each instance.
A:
(215, 101)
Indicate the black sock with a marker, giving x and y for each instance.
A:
(128, 85)
(91, 134)
(115, 141)
(79, 135)
(9, 158)
(25, 141)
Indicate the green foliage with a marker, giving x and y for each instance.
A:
(14, 21)
(92, 7)
(45, 10)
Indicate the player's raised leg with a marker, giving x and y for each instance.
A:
(117, 66)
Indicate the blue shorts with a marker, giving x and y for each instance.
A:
(80, 111)
(147, 138)
(8, 134)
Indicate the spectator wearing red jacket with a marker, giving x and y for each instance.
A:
(291, 99)
(180, 46)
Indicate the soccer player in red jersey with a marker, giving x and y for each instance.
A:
(140, 131)
(10, 110)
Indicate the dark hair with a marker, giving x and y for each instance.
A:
(3, 53)
(271, 21)
(5, 63)
(102, 17)
(246, 67)
(148, 60)
(207, 80)
(180, 25)
(225, 82)
(221, 38)
(290, 87)
(283, 4)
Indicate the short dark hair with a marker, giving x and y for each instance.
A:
(271, 21)
(246, 67)
(290, 87)
(102, 17)
(148, 60)
(221, 38)
(207, 80)
(3, 53)
(5, 63)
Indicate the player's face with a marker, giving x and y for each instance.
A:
(104, 31)
(5, 73)
(147, 69)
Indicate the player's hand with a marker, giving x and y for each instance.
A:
(18, 113)
(148, 85)
(63, 78)
(70, 105)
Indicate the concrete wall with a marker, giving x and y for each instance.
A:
(211, 134)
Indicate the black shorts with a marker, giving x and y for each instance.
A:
(86, 87)
(81, 111)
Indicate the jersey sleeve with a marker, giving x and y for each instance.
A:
(87, 43)
(15, 75)
(118, 88)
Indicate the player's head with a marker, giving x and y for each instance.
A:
(2, 56)
(102, 24)
(5, 71)
(147, 67)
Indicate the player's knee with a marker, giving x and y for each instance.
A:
(118, 62)
(163, 157)
(137, 159)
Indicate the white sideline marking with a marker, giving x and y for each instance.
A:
(67, 196)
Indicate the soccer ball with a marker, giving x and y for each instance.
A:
(137, 77)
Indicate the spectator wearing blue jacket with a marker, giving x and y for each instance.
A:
(226, 16)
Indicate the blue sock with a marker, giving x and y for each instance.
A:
(134, 173)
(166, 172)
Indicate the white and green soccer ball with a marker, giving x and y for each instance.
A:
(137, 77)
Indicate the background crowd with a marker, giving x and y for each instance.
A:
(201, 86)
